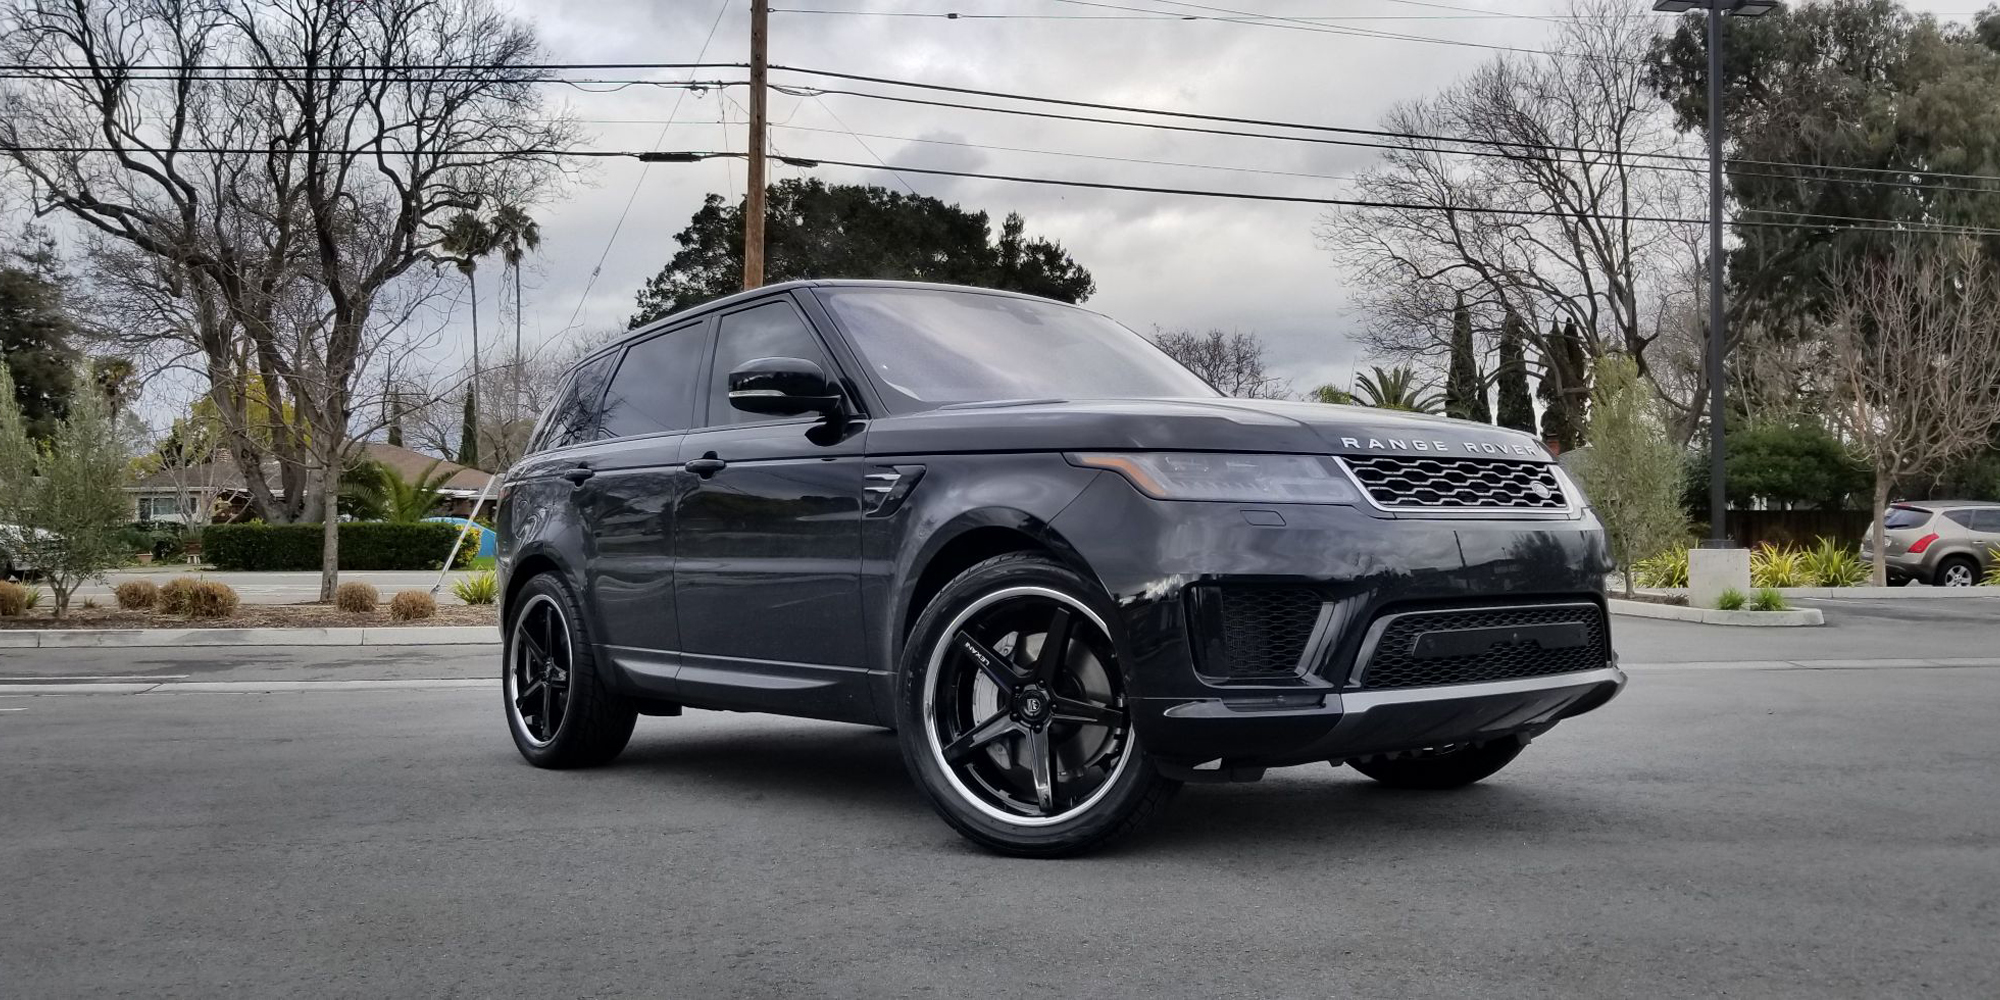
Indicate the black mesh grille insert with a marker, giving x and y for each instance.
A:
(1399, 481)
(1256, 630)
(1397, 663)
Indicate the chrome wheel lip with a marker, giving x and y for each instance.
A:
(929, 720)
(511, 678)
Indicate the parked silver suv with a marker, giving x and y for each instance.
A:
(1948, 543)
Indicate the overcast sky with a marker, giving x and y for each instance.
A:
(1158, 260)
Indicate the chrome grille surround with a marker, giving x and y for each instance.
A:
(1435, 484)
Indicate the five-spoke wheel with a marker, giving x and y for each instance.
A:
(538, 669)
(558, 707)
(1016, 721)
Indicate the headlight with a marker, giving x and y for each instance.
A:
(1165, 475)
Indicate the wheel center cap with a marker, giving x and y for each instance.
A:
(1033, 706)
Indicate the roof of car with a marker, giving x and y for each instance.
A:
(1946, 504)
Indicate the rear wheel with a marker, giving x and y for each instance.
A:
(1013, 716)
(558, 708)
(1958, 571)
(1451, 767)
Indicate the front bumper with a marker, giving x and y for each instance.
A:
(1156, 560)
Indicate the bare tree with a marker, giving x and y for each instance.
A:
(1566, 137)
(1232, 362)
(282, 200)
(1915, 346)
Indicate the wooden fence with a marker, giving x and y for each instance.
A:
(1797, 527)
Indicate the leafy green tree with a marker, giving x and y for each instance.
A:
(1784, 463)
(1396, 389)
(1517, 410)
(35, 336)
(1564, 389)
(817, 230)
(1465, 388)
(1632, 470)
(1860, 83)
(63, 500)
(468, 433)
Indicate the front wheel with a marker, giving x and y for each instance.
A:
(1453, 767)
(1013, 716)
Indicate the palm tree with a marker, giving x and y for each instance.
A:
(1396, 389)
(376, 492)
(1331, 395)
(467, 238)
(516, 235)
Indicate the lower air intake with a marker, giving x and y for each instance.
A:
(1476, 645)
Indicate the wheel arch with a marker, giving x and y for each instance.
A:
(528, 565)
(966, 541)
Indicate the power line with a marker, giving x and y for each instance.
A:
(1259, 20)
(612, 240)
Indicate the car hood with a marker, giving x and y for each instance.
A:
(1249, 425)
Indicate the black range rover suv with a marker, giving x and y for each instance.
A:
(1067, 572)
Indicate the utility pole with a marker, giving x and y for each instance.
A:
(753, 201)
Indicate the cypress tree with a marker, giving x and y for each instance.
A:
(468, 436)
(1516, 410)
(1465, 390)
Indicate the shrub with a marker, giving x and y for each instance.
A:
(34, 598)
(1768, 599)
(1777, 566)
(356, 598)
(479, 588)
(91, 602)
(363, 545)
(1668, 569)
(177, 595)
(1731, 600)
(1993, 568)
(136, 595)
(1829, 564)
(211, 599)
(13, 599)
(412, 605)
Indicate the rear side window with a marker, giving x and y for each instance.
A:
(574, 417)
(1986, 519)
(1962, 518)
(772, 330)
(1905, 517)
(655, 388)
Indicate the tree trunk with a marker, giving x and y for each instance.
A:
(329, 560)
(1879, 574)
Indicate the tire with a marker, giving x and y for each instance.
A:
(1452, 769)
(1958, 571)
(978, 705)
(592, 725)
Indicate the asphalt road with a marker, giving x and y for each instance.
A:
(1718, 830)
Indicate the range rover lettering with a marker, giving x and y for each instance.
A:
(1068, 573)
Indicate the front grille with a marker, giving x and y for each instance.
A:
(1401, 482)
(1254, 631)
(1397, 661)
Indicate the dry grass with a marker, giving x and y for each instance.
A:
(355, 597)
(13, 599)
(412, 605)
(136, 595)
(211, 599)
(311, 615)
(176, 595)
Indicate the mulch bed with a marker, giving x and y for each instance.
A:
(312, 615)
(1676, 600)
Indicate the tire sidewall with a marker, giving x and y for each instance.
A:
(1133, 783)
(545, 585)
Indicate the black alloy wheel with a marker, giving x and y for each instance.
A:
(1022, 736)
(558, 709)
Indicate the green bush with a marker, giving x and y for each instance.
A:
(1668, 569)
(1731, 600)
(1768, 599)
(363, 545)
(1831, 564)
(479, 588)
(1777, 566)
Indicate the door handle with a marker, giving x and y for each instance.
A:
(706, 466)
(579, 475)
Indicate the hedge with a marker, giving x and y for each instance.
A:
(363, 545)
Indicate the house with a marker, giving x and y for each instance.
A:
(215, 490)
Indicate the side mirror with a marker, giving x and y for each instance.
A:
(782, 387)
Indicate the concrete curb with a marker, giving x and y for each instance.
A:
(91, 638)
(1710, 616)
(1912, 592)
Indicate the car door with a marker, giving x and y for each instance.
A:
(539, 512)
(629, 498)
(1986, 534)
(767, 535)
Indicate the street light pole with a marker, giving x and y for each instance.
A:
(1718, 499)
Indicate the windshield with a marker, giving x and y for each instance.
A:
(925, 348)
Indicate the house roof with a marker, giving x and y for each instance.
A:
(222, 474)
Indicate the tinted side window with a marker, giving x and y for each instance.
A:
(574, 417)
(772, 330)
(1986, 519)
(654, 389)
(1962, 518)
